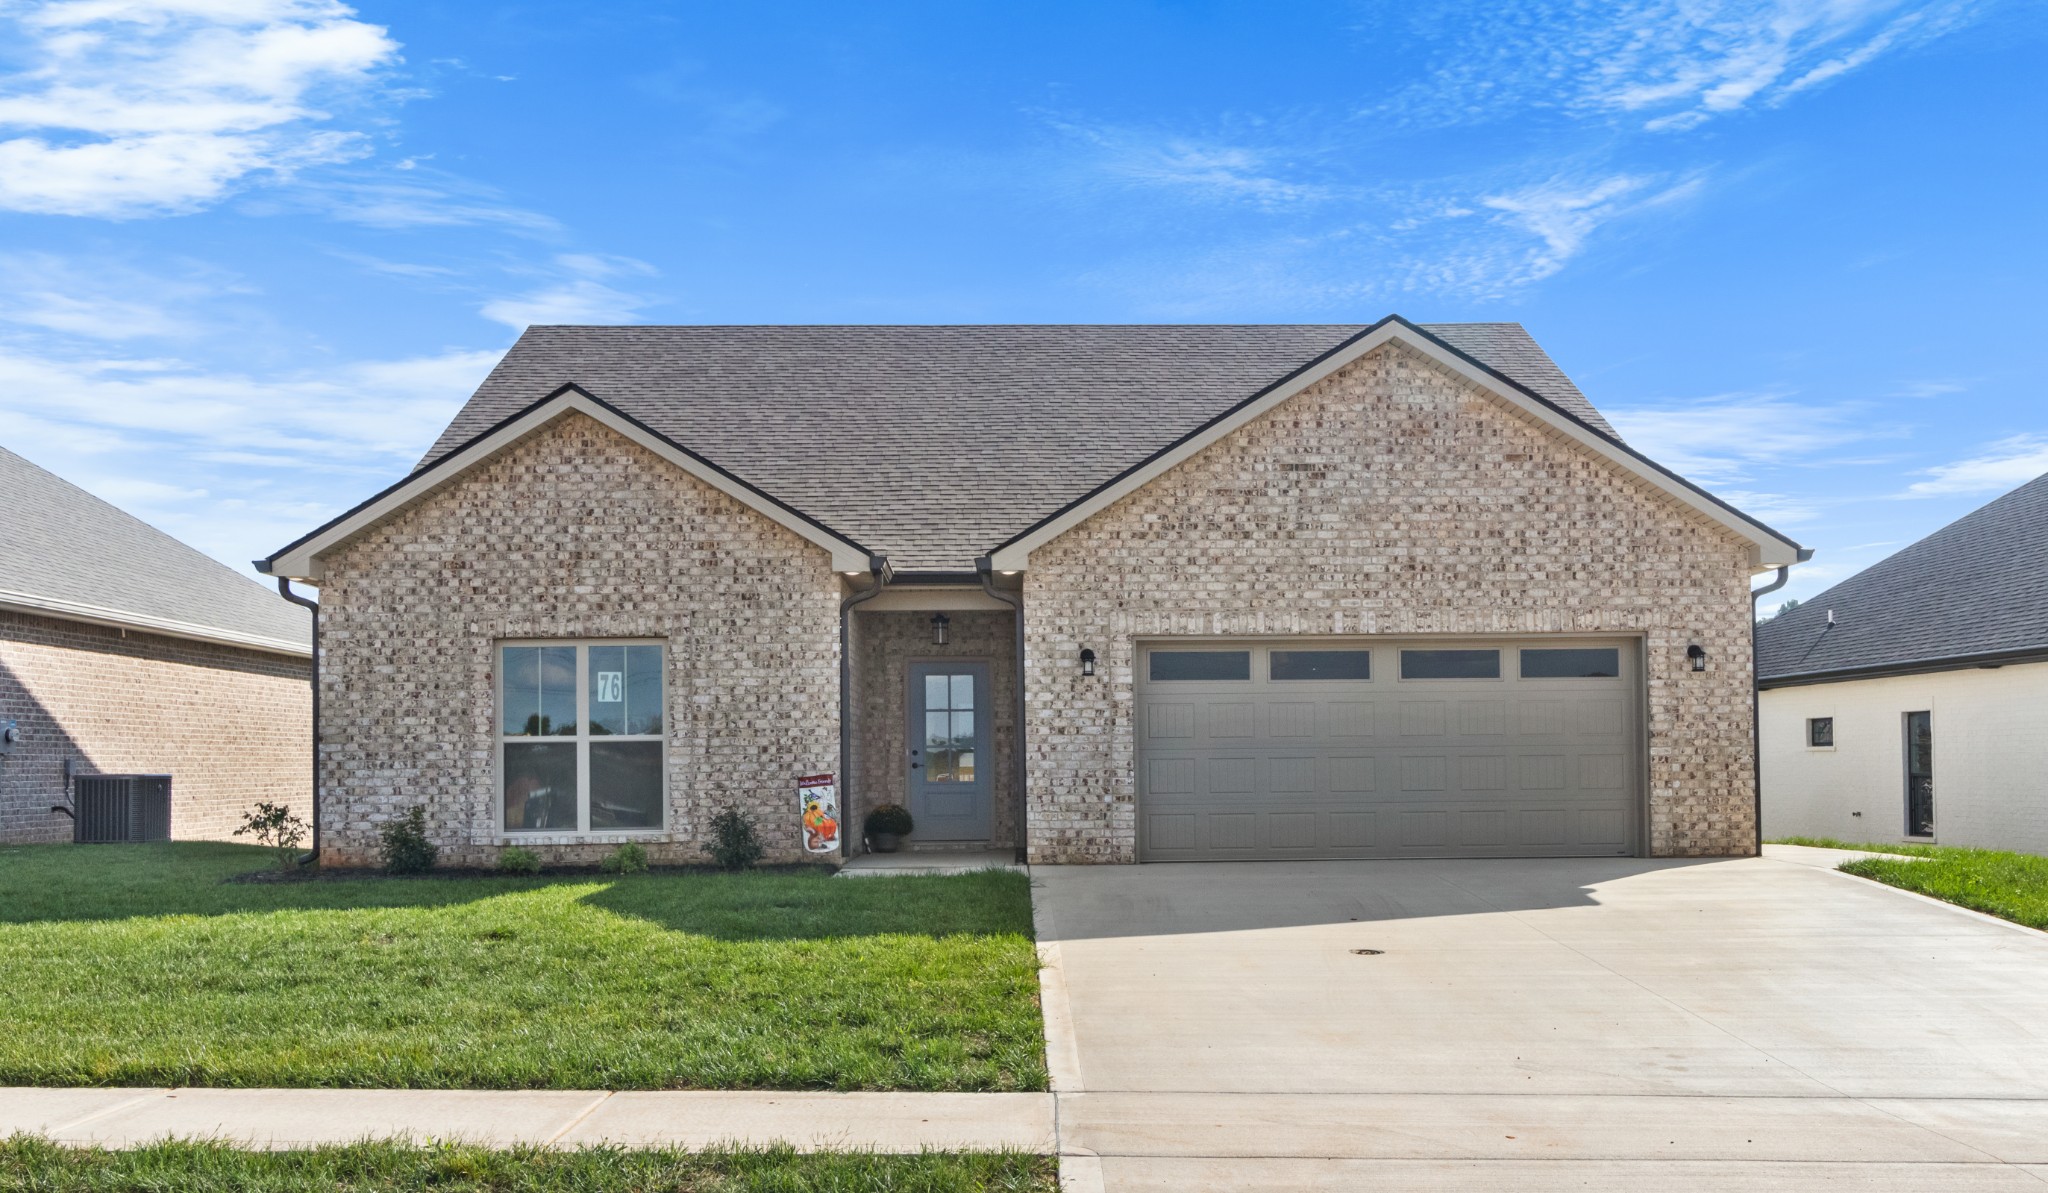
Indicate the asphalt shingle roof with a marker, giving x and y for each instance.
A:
(1978, 586)
(60, 543)
(937, 443)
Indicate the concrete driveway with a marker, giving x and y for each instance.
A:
(1599, 1024)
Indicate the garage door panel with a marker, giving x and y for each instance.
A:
(1309, 766)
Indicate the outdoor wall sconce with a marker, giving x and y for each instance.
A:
(1087, 661)
(941, 629)
(1698, 655)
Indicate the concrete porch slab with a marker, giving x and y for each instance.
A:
(933, 861)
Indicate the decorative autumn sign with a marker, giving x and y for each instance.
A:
(817, 800)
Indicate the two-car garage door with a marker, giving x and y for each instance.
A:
(1361, 748)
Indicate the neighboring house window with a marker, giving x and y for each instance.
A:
(580, 730)
(1820, 731)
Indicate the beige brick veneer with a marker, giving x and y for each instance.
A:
(885, 646)
(230, 726)
(574, 532)
(1391, 497)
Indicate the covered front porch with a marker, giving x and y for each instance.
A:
(932, 717)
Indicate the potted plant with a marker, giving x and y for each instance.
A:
(886, 826)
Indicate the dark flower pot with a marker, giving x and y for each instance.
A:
(884, 842)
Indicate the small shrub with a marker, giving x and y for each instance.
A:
(405, 848)
(275, 825)
(629, 858)
(518, 860)
(889, 818)
(734, 843)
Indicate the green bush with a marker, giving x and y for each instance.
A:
(629, 858)
(404, 847)
(275, 825)
(518, 860)
(734, 843)
(888, 818)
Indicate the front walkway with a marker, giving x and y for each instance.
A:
(1533, 1025)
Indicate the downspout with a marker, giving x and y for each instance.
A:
(1756, 710)
(284, 589)
(878, 578)
(985, 568)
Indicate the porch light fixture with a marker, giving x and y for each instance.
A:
(1698, 655)
(940, 632)
(1087, 661)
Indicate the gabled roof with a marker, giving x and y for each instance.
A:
(937, 445)
(1975, 591)
(66, 554)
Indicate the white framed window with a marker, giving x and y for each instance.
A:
(580, 732)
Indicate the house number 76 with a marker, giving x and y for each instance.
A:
(611, 687)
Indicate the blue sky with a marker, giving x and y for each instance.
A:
(254, 253)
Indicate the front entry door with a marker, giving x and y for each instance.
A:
(950, 762)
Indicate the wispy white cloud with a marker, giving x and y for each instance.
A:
(1562, 213)
(1669, 65)
(2003, 465)
(146, 107)
(106, 300)
(1252, 168)
(1728, 438)
(1931, 388)
(582, 291)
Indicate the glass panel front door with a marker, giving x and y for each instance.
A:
(949, 771)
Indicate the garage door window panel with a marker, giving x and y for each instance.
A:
(1571, 663)
(1199, 666)
(1450, 664)
(1286, 666)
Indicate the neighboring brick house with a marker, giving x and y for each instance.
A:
(1910, 701)
(124, 651)
(1285, 592)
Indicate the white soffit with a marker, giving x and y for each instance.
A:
(1767, 550)
(300, 561)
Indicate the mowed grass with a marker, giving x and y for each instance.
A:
(2011, 886)
(138, 965)
(28, 1164)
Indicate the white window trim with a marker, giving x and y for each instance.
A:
(500, 739)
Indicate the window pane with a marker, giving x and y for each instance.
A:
(1820, 731)
(1201, 664)
(1320, 664)
(521, 668)
(963, 691)
(938, 765)
(540, 787)
(937, 735)
(643, 689)
(964, 766)
(625, 784)
(963, 730)
(1571, 664)
(557, 692)
(607, 689)
(1450, 664)
(935, 688)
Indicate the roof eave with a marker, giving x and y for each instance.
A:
(301, 559)
(1966, 662)
(63, 610)
(1769, 549)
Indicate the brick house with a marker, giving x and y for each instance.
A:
(1908, 702)
(124, 651)
(1106, 594)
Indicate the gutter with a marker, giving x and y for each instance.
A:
(1756, 712)
(284, 589)
(878, 576)
(984, 567)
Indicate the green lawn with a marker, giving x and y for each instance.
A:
(2011, 886)
(138, 965)
(28, 1164)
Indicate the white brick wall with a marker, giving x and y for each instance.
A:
(1990, 758)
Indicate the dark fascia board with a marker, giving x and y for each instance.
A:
(453, 454)
(1496, 375)
(1974, 662)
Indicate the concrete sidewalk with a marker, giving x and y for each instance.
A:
(695, 1119)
